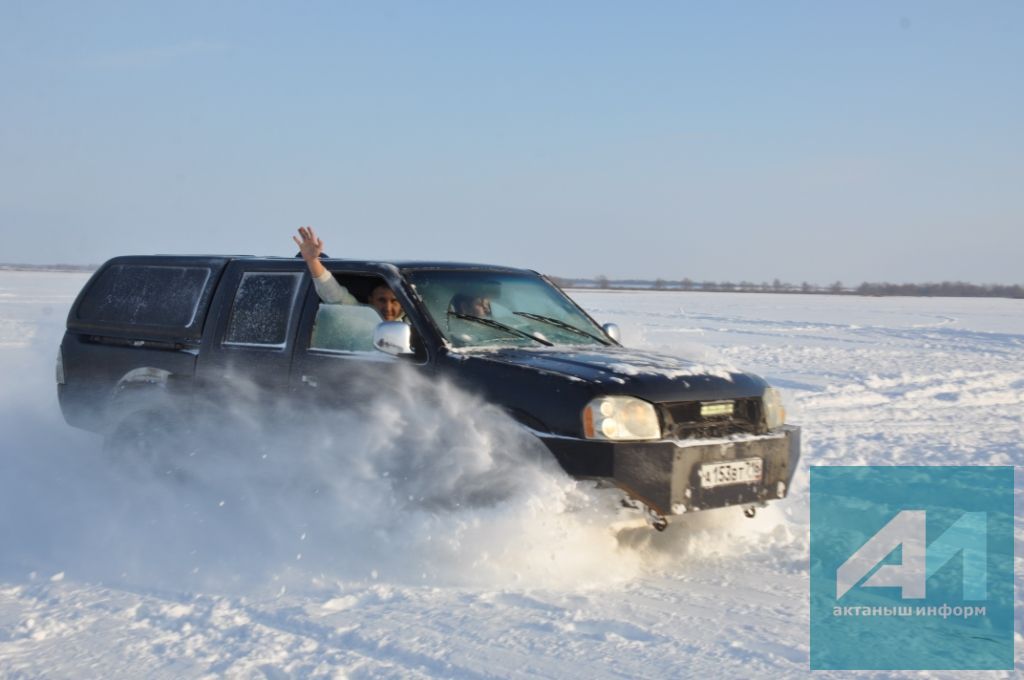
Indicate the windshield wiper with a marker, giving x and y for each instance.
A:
(500, 326)
(562, 325)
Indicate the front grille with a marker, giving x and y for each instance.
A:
(683, 419)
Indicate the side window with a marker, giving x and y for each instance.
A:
(153, 295)
(344, 328)
(262, 308)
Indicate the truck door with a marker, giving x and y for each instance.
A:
(248, 344)
(335, 363)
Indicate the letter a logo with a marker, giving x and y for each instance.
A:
(907, 530)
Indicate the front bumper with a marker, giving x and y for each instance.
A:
(665, 474)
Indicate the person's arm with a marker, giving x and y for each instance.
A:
(327, 287)
(332, 292)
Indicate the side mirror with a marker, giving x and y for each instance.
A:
(393, 337)
(611, 330)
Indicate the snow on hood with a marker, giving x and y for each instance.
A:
(607, 364)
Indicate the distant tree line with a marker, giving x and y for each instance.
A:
(944, 289)
(48, 267)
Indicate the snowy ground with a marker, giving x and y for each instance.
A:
(284, 565)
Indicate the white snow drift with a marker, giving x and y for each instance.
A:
(432, 540)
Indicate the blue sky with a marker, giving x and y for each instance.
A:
(801, 140)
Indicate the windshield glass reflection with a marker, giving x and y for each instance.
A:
(485, 309)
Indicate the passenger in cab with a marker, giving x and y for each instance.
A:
(381, 298)
(471, 305)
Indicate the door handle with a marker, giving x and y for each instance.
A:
(310, 380)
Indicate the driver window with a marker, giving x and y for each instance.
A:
(344, 328)
(351, 306)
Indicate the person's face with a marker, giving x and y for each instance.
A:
(479, 306)
(386, 304)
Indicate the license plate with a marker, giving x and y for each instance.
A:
(744, 471)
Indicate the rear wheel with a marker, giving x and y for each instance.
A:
(146, 441)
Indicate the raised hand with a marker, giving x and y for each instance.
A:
(309, 245)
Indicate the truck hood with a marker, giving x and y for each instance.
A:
(619, 370)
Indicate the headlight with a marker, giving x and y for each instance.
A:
(620, 419)
(774, 412)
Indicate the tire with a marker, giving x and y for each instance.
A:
(146, 442)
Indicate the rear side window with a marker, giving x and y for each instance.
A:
(148, 295)
(262, 309)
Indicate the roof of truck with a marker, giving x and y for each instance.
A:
(429, 264)
(401, 264)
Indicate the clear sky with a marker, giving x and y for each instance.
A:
(714, 140)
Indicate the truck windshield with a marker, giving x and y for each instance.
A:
(475, 308)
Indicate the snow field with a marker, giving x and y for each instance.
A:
(273, 562)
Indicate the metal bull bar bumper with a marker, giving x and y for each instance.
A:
(677, 477)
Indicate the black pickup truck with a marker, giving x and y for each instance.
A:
(149, 336)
